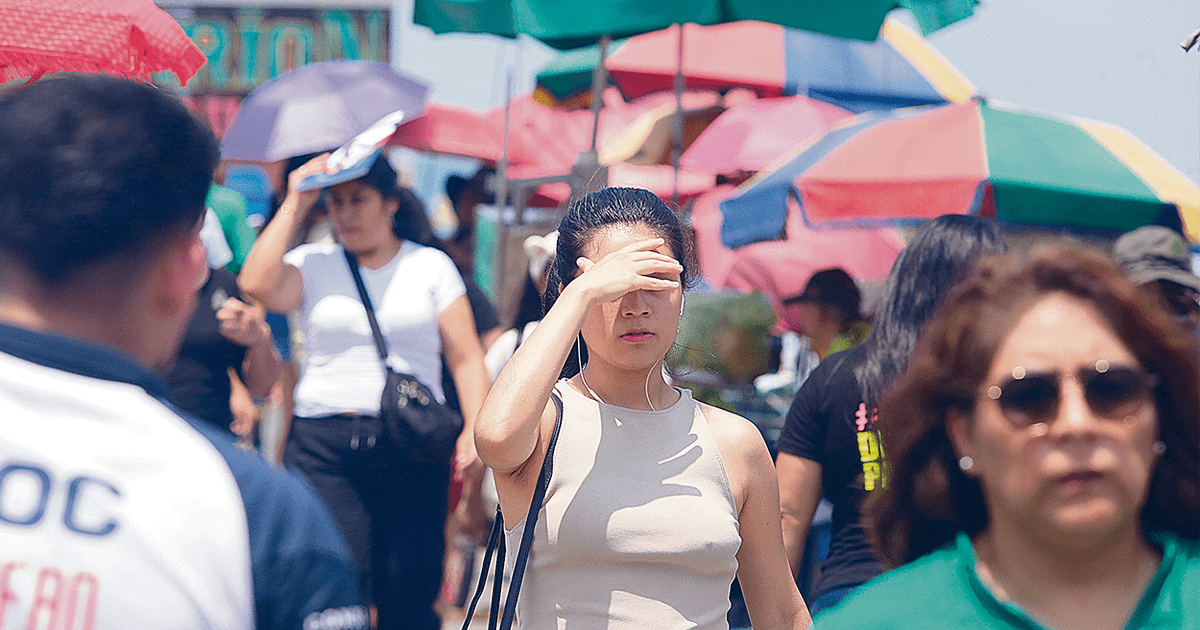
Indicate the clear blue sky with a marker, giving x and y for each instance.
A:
(1118, 61)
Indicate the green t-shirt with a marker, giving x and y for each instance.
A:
(942, 591)
(230, 208)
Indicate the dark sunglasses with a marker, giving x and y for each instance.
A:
(1111, 391)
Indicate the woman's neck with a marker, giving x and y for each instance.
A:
(380, 255)
(1064, 587)
(632, 389)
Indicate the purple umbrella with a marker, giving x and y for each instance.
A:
(318, 107)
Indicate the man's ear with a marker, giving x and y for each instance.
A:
(182, 271)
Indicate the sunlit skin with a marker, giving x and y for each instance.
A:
(1063, 498)
(628, 337)
(362, 218)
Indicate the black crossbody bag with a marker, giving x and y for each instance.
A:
(415, 423)
(496, 542)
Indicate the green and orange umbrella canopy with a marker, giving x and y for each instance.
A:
(1021, 166)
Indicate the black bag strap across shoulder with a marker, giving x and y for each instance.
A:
(380, 343)
(496, 541)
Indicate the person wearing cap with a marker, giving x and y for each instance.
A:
(828, 312)
(1157, 258)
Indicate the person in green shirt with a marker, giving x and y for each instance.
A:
(230, 208)
(1044, 446)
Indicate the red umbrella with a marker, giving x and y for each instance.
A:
(130, 38)
(753, 135)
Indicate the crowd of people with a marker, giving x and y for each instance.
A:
(1010, 440)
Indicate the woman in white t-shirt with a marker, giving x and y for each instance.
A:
(392, 512)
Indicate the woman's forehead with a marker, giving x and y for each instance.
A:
(611, 238)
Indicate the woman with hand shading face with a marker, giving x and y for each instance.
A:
(1044, 446)
(656, 501)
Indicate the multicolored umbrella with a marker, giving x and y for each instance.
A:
(1021, 166)
(565, 25)
(753, 135)
(899, 69)
(318, 107)
(129, 38)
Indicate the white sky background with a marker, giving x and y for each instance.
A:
(1118, 61)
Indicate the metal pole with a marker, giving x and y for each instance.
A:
(599, 82)
(677, 132)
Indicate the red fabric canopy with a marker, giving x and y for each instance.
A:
(131, 38)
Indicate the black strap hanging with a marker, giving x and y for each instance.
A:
(380, 343)
(496, 541)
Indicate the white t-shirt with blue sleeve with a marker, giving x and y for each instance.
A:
(342, 372)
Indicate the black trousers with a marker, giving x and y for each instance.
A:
(392, 512)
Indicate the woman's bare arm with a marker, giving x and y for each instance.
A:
(464, 358)
(772, 598)
(264, 276)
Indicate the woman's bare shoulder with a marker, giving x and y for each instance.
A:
(733, 433)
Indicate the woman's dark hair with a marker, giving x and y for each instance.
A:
(942, 252)
(598, 210)
(927, 499)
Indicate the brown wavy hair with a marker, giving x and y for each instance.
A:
(928, 500)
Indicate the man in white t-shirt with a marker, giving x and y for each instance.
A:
(117, 511)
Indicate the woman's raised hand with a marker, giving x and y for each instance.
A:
(305, 199)
(636, 267)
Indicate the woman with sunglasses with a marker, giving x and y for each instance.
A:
(1044, 445)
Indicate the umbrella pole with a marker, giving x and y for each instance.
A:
(677, 131)
(587, 173)
(599, 81)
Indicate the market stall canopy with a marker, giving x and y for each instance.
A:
(563, 24)
(1022, 166)
(128, 38)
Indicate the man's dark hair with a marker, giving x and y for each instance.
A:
(94, 169)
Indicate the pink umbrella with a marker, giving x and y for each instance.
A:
(451, 130)
(780, 269)
(751, 136)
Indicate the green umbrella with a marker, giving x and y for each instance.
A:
(569, 24)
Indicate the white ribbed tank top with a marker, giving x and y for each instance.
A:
(639, 526)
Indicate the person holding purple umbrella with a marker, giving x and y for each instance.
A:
(392, 510)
